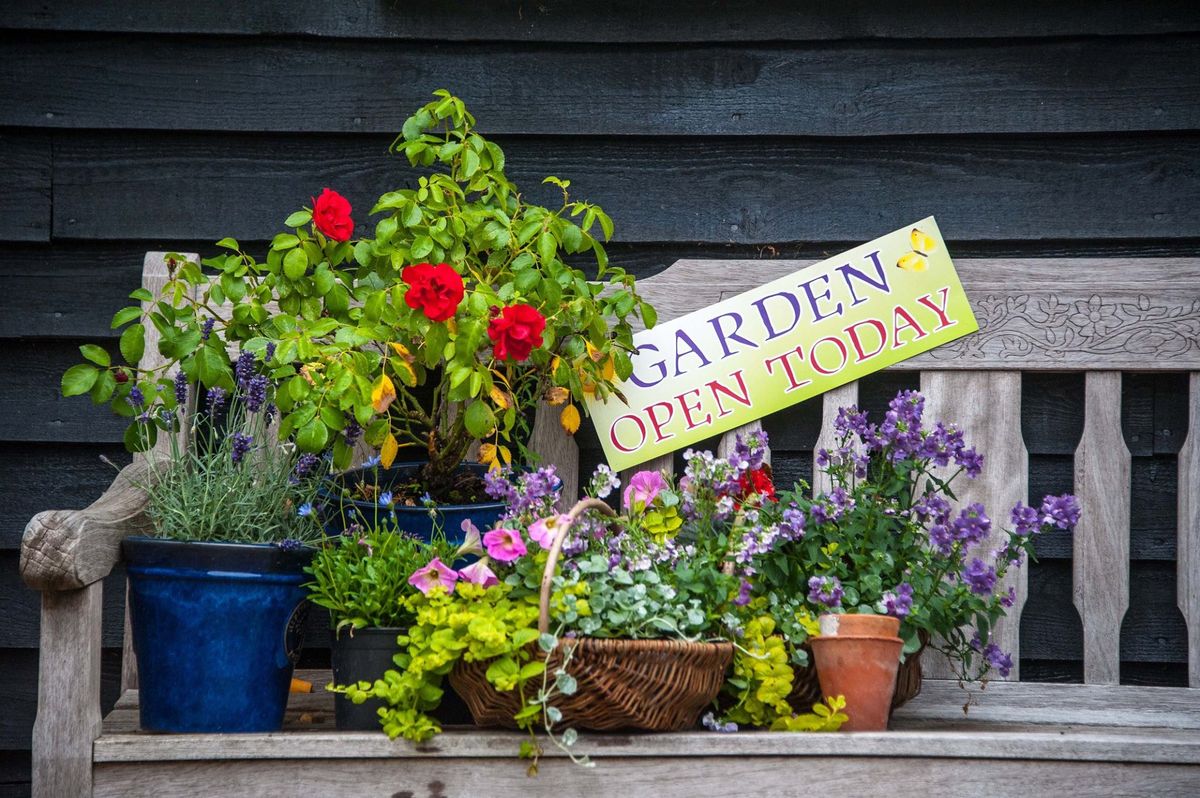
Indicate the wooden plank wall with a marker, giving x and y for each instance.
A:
(705, 129)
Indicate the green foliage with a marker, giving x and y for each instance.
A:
(762, 676)
(349, 346)
(363, 581)
(474, 624)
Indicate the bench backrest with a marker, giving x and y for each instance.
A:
(1100, 316)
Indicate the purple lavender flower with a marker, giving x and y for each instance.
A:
(216, 400)
(256, 393)
(305, 464)
(244, 369)
(136, 399)
(825, 590)
(980, 577)
(998, 659)
(898, 603)
(181, 388)
(206, 328)
(1025, 520)
(352, 432)
(291, 544)
(269, 354)
(972, 524)
(1061, 511)
(241, 445)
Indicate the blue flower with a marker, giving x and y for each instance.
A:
(305, 510)
(372, 461)
(385, 499)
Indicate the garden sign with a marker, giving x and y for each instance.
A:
(789, 340)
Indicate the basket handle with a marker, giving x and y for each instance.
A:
(581, 506)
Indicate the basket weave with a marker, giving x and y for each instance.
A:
(651, 685)
(806, 690)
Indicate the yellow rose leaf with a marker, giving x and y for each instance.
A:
(402, 351)
(387, 452)
(487, 456)
(557, 395)
(406, 373)
(506, 455)
(383, 393)
(570, 419)
(500, 398)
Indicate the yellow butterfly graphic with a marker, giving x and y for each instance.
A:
(922, 245)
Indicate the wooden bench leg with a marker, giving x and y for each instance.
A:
(68, 717)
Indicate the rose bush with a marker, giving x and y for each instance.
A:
(443, 328)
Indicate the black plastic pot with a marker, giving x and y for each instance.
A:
(364, 658)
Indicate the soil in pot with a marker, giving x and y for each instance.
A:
(857, 656)
(217, 630)
(354, 499)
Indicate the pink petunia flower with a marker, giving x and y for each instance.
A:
(644, 487)
(504, 545)
(434, 575)
(471, 544)
(478, 573)
(545, 530)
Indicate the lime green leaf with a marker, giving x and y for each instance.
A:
(313, 436)
(228, 243)
(96, 354)
(284, 241)
(295, 264)
(124, 316)
(79, 379)
(102, 391)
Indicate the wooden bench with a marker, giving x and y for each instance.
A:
(1100, 316)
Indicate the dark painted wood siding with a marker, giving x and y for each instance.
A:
(707, 129)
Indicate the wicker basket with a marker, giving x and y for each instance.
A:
(651, 685)
(806, 690)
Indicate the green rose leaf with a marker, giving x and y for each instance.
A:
(133, 344)
(313, 436)
(79, 379)
(96, 354)
(124, 316)
(298, 219)
(295, 263)
(479, 419)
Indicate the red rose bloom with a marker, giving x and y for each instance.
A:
(434, 290)
(758, 482)
(331, 215)
(516, 331)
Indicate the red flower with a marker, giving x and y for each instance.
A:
(331, 215)
(435, 290)
(758, 482)
(516, 331)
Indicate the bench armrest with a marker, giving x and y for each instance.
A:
(70, 549)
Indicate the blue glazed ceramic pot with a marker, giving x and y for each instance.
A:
(217, 630)
(339, 512)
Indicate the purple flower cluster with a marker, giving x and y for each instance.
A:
(181, 388)
(995, 657)
(898, 603)
(244, 369)
(791, 525)
(980, 577)
(216, 400)
(352, 432)
(749, 451)
(305, 465)
(1060, 511)
(901, 435)
(825, 590)
(206, 328)
(241, 445)
(136, 399)
(533, 493)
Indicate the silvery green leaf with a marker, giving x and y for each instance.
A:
(547, 642)
(695, 617)
(554, 714)
(569, 737)
(565, 683)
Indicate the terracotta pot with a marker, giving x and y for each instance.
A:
(857, 656)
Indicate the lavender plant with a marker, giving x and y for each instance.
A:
(225, 480)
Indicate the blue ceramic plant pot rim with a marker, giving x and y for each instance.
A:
(398, 469)
(161, 557)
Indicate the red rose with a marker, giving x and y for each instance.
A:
(516, 331)
(758, 482)
(331, 215)
(435, 290)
